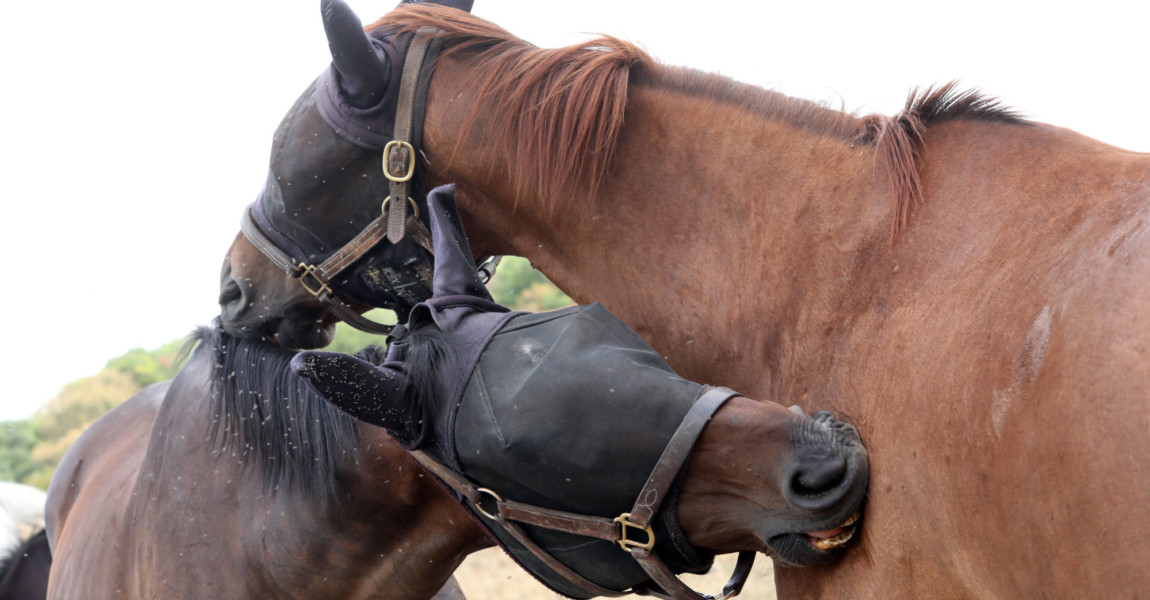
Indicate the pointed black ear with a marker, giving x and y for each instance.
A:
(454, 266)
(363, 68)
(372, 394)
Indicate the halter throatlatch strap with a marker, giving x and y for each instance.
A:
(399, 153)
(632, 531)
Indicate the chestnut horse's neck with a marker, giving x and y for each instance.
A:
(700, 184)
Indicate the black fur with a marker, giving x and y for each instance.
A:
(268, 419)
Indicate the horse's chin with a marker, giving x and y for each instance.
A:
(811, 549)
(305, 333)
(298, 330)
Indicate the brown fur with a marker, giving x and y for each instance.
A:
(561, 110)
(995, 358)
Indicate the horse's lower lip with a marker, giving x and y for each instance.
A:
(834, 538)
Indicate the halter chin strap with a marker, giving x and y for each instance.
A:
(621, 530)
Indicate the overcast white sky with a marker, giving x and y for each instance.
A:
(133, 133)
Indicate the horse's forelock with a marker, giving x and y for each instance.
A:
(426, 350)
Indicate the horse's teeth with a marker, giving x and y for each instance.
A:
(833, 542)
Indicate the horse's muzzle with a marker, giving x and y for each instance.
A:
(825, 483)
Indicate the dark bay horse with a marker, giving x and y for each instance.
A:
(235, 481)
(966, 286)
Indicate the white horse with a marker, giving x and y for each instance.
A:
(21, 514)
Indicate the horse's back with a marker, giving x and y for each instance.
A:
(91, 490)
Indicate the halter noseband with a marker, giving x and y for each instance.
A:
(399, 159)
(621, 530)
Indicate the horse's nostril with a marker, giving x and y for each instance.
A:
(816, 477)
(230, 293)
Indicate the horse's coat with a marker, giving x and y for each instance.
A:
(967, 287)
(171, 496)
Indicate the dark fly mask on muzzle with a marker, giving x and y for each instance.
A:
(567, 410)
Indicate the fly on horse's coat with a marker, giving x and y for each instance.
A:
(966, 286)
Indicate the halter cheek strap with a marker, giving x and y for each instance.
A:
(631, 531)
(394, 222)
(399, 168)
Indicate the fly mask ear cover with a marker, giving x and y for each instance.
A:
(567, 410)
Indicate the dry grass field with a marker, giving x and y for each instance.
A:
(491, 575)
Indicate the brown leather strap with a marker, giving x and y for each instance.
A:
(675, 454)
(262, 243)
(475, 496)
(403, 152)
(677, 590)
(353, 250)
(507, 514)
(314, 279)
(596, 527)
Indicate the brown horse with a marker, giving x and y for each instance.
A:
(968, 287)
(235, 481)
(232, 481)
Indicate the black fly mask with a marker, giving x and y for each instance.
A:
(331, 146)
(567, 410)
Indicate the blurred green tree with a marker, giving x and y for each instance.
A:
(17, 438)
(150, 366)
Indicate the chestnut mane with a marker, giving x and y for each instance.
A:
(561, 110)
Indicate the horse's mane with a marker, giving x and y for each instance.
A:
(266, 418)
(561, 110)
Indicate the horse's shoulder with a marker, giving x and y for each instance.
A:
(102, 449)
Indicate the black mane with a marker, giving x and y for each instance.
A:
(268, 419)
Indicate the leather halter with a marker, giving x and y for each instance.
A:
(399, 157)
(620, 530)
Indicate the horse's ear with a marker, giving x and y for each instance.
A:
(369, 393)
(363, 69)
(454, 266)
(464, 5)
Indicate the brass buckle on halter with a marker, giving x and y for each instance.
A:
(311, 271)
(398, 156)
(624, 521)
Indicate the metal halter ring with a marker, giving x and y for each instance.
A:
(624, 521)
(479, 507)
(414, 206)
